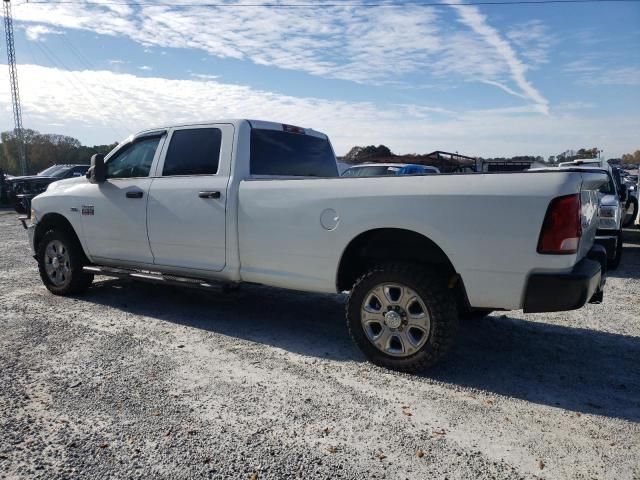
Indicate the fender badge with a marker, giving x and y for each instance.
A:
(87, 210)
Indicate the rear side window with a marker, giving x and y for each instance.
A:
(275, 152)
(193, 152)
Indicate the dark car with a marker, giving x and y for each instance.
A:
(21, 190)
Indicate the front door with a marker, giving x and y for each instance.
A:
(114, 213)
(187, 200)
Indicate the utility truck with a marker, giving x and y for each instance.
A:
(234, 201)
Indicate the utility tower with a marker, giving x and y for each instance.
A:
(13, 79)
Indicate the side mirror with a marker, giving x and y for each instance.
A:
(97, 172)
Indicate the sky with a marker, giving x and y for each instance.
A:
(486, 80)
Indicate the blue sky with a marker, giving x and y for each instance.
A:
(481, 80)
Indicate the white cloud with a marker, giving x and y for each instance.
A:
(145, 68)
(382, 46)
(103, 106)
(472, 17)
(204, 76)
(626, 76)
(36, 33)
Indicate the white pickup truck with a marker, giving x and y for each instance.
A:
(237, 201)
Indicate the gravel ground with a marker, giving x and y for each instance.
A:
(133, 380)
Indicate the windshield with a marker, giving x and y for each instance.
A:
(61, 172)
(49, 171)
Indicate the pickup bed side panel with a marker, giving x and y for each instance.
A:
(488, 225)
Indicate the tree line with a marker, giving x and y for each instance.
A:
(44, 150)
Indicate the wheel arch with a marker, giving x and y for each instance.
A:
(52, 221)
(383, 245)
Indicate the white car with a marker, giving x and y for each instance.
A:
(238, 201)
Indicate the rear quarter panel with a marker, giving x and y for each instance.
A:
(487, 224)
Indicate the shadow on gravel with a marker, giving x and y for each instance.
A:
(576, 369)
(630, 263)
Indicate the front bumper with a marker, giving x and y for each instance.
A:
(557, 292)
(31, 230)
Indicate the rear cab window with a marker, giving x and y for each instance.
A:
(291, 152)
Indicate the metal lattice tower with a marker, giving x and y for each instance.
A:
(13, 79)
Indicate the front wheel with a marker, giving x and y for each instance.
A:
(60, 262)
(402, 317)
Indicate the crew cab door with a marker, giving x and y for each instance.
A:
(187, 200)
(114, 213)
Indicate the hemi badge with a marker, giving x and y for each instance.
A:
(87, 210)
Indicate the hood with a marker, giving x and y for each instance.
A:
(31, 177)
(60, 184)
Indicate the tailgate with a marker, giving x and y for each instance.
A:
(591, 183)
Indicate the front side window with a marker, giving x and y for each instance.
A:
(275, 152)
(193, 152)
(134, 160)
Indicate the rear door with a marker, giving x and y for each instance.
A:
(187, 201)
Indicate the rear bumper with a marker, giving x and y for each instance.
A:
(557, 292)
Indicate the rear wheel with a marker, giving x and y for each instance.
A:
(60, 262)
(402, 317)
(19, 206)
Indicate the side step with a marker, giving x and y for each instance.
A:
(164, 279)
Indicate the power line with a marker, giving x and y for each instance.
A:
(413, 3)
(76, 83)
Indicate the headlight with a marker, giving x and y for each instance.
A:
(608, 217)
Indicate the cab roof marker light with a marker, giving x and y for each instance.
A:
(293, 129)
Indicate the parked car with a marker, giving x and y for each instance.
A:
(22, 189)
(388, 169)
(631, 206)
(4, 185)
(239, 201)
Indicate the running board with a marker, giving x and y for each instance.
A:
(159, 278)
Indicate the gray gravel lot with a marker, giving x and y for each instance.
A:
(133, 381)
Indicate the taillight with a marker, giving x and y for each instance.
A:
(562, 228)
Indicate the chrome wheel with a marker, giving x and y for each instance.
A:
(57, 263)
(395, 319)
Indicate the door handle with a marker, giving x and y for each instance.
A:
(209, 194)
(134, 194)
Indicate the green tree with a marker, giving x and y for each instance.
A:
(631, 158)
(44, 150)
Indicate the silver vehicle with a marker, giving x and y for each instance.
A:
(612, 211)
